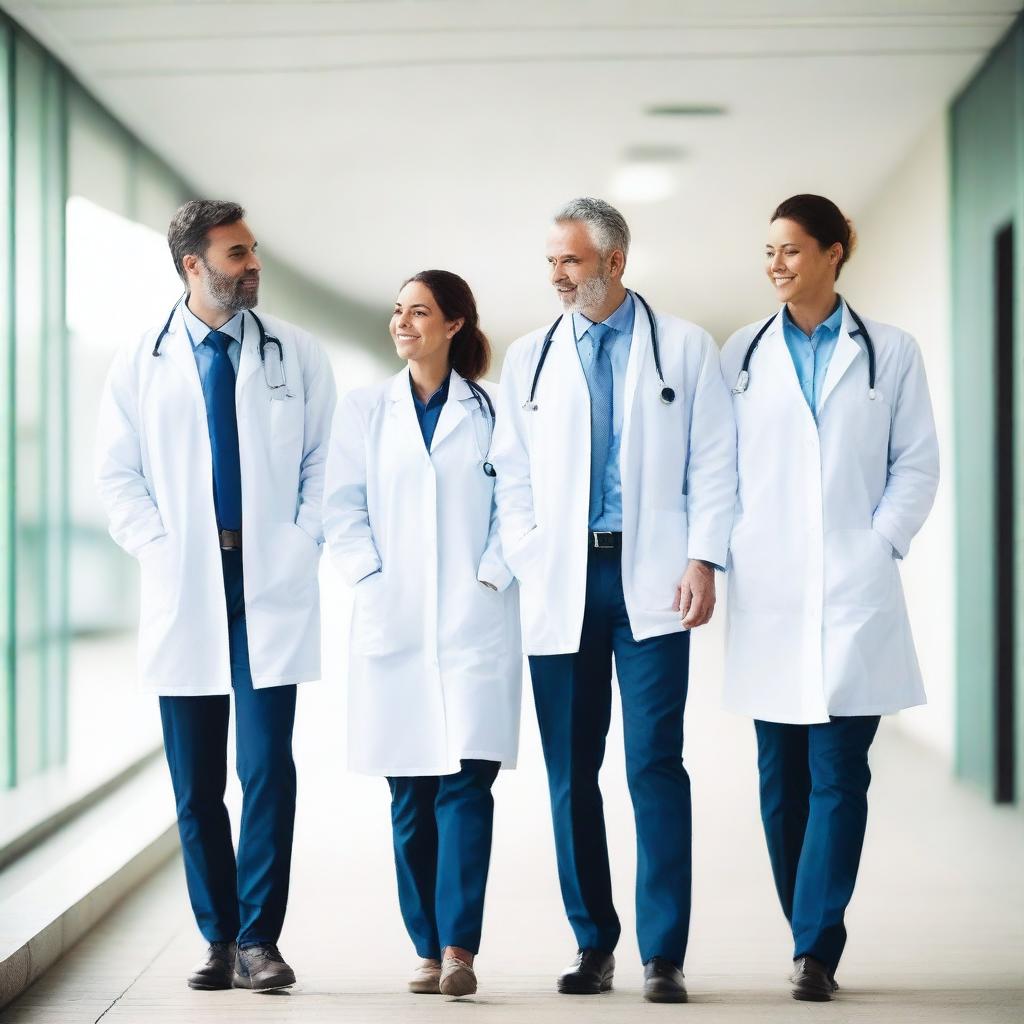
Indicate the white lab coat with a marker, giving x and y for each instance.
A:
(816, 620)
(154, 473)
(435, 663)
(677, 464)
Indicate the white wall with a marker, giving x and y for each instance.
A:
(900, 274)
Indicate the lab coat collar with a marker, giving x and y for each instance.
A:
(454, 411)
(846, 351)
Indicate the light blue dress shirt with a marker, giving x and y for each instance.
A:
(812, 355)
(197, 332)
(617, 347)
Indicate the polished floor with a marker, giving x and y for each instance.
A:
(937, 924)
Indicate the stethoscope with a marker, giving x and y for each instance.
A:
(266, 340)
(668, 395)
(482, 399)
(743, 378)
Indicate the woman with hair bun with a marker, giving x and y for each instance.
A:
(435, 664)
(838, 467)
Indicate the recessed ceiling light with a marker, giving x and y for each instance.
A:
(686, 110)
(653, 154)
(642, 182)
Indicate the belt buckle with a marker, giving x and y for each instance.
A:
(230, 540)
(596, 537)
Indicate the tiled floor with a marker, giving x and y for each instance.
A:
(937, 924)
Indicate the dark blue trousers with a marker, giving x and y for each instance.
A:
(442, 833)
(573, 697)
(814, 805)
(241, 899)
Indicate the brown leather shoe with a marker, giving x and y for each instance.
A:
(262, 969)
(426, 979)
(457, 977)
(812, 980)
(216, 970)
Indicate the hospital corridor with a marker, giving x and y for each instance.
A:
(263, 268)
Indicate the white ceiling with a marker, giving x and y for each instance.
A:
(372, 138)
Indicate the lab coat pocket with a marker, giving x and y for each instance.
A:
(378, 625)
(158, 593)
(859, 568)
(521, 558)
(766, 574)
(661, 556)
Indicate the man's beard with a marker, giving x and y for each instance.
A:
(227, 292)
(590, 295)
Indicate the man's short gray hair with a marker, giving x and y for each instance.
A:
(608, 228)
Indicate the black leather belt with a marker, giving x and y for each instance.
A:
(231, 540)
(604, 540)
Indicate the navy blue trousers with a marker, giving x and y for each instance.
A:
(573, 697)
(441, 826)
(814, 805)
(241, 899)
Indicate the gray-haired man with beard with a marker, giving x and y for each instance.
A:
(211, 448)
(616, 460)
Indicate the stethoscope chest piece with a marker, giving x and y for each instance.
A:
(668, 395)
(489, 470)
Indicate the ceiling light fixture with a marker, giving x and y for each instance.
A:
(686, 110)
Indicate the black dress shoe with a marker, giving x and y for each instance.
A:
(812, 980)
(262, 968)
(663, 981)
(591, 972)
(216, 970)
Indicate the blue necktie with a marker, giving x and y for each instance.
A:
(599, 380)
(219, 392)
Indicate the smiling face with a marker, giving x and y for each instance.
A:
(797, 265)
(228, 274)
(581, 276)
(419, 328)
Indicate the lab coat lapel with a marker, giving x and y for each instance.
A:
(178, 348)
(404, 413)
(776, 363)
(453, 412)
(846, 351)
(249, 360)
(639, 346)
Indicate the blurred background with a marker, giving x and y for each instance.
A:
(373, 138)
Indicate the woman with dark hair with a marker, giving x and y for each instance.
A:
(435, 663)
(838, 467)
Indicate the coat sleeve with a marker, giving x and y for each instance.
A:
(320, 398)
(132, 512)
(913, 476)
(711, 470)
(513, 491)
(346, 515)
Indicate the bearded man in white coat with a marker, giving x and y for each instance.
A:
(616, 460)
(211, 448)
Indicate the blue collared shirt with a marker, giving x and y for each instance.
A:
(812, 355)
(617, 347)
(197, 332)
(429, 412)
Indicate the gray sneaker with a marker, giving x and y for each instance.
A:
(262, 969)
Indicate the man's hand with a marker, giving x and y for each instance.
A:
(695, 595)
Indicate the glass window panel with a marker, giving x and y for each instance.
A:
(7, 717)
